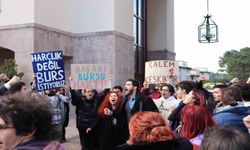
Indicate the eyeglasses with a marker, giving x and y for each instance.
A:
(164, 90)
(3, 127)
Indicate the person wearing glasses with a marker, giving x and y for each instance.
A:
(167, 102)
(25, 123)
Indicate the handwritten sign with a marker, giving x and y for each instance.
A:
(161, 71)
(90, 76)
(48, 68)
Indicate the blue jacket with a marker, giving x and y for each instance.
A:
(248, 110)
(231, 117)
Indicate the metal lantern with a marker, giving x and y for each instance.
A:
(208, 30)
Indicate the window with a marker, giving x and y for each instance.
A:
(139, 25)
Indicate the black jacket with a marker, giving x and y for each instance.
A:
(86, 110)
(142, 103)
(3, 89)
(176, 113)
(175, 144)
(109, 128)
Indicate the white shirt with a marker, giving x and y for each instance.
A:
(166, 106)
(246, 103)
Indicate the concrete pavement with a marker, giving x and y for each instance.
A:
(72, 136)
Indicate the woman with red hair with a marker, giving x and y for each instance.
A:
(148, 130)
(195, 119)
(108, 123)
(188, 97)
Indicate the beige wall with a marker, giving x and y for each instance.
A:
(59, 14)
(75, 16)
(104, 15)
(16, 12)
(156, 24)
(170, 26)
(124, 16)
(94, 16)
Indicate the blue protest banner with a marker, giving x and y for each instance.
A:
(48, 68)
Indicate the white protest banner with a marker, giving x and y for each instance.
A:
(48, 68)
(94, 76)
(161, 71)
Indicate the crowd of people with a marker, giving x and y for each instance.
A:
(185, 116)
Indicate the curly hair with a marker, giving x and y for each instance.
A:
(170, 88)
(27, 113)
(148, 127)
(106, 103)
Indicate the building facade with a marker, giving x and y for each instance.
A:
(121, 33)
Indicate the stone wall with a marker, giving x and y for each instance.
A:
(19, 39)
(108, 47)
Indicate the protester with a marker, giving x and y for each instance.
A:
(64, 94)
(232, 112)
(217, 97)
(145, 89)
(155, 94)
(18, 87)
(167, 102)
(194, 97)
(4, 88)
(86, 115)
(57, 111)
(210, 103)
(194, 124)
(245, 90)
(225, 138)
(133, 102)
(148, 131)
(108, 122)
(117, 89)
(25, 123)
(183, 89)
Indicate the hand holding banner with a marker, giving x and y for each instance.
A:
(161, 71)
(48, 68)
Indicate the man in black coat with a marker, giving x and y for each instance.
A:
(86, 115)
(133, 102)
